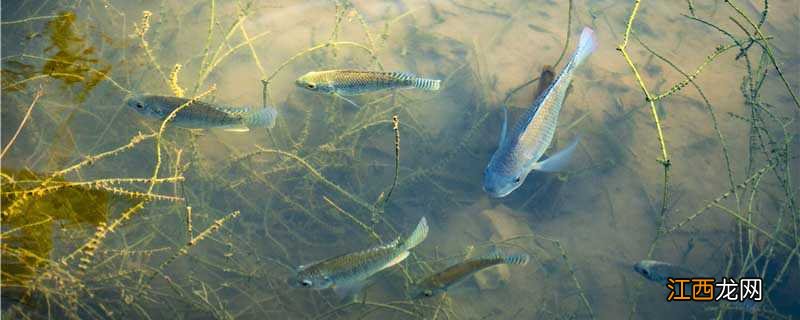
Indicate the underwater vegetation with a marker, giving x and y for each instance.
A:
(71, 59)
(687, 113)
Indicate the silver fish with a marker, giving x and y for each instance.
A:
(441, 281)
(346, 274)
(658, 271)
(518, 153)
(355, 82)
(202, 115)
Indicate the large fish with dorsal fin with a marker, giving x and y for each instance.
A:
(519, 150)
(348, 273)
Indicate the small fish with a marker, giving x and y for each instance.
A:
(443, 280)
(518, 153)
(202, 115)
(346, 274)
(658, 271)
(354, 82)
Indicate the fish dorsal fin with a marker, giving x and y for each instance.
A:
(495, 253)
(396, 243)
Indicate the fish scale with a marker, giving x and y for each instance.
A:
(234, 111)
(538, 125)
(371, 81)
(199, 110)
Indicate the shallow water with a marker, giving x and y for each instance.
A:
(316, 185)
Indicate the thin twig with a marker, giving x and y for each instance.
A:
(36, 97)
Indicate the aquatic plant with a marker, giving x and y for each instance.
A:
(107, 215)
(745, 253)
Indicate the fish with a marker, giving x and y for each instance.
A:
(519, 150)
(356, 82)
(658, 271)
(346, 274)
(202, 115)
(441, 281)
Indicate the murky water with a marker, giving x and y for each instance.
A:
(95, 196)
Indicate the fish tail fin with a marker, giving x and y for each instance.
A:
(264, 117)
(427, 84)
(586, 45)
(419, 234)
(520, 259)
(417, 82)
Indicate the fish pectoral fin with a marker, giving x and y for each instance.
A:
(349, 292)
(557, 161)
(504, 128)
(237, 129)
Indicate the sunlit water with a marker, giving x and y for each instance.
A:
(315, 186)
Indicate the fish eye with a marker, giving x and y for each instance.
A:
(427, 293)
(311, 86)
(139, 105)
(516, 180)
(305, 283)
